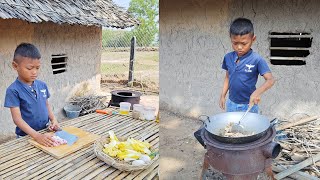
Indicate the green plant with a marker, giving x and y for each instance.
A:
(146, 11)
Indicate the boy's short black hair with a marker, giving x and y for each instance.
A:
(26, 50)
(241, 26)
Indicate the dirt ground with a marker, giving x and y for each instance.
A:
(181, 154)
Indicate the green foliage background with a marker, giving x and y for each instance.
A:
(147, 12)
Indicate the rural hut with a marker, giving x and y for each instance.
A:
(68, 34)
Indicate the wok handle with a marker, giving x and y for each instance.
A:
(203, 120)
(273, 122)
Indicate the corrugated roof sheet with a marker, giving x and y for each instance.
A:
(82, 12)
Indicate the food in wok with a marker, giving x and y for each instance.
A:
(226, 132)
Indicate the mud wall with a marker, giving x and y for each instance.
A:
(194, 38)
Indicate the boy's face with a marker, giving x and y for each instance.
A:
(242, 43)
(27, 69)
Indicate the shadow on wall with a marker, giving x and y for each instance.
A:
(292, 109)
(190, 110)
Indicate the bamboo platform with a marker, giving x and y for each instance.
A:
(21, 160)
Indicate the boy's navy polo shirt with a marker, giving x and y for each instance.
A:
(244, 75)
(33, 108)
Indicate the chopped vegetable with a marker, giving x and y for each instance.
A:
(138, 163)
(145, 158)
(130, 150)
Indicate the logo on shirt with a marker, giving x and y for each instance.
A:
(249, 66)
(44, 92)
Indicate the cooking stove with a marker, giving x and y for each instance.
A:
(241, 161)
(118, 96)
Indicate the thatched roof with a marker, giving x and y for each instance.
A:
(82, 12)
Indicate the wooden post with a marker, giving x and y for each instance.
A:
(132, 57)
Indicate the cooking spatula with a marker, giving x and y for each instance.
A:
(238, 127)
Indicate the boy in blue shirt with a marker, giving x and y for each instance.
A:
(27, 97)
(242, 69)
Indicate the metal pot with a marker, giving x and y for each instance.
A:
(253, 123)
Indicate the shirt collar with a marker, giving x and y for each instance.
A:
(244, 56)
(27, 85)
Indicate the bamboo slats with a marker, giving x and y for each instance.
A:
(20, 160)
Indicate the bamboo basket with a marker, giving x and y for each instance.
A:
(116, 163)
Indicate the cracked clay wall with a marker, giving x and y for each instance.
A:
(194, 38)
(81, 44)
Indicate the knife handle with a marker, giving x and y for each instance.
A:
(102, 111)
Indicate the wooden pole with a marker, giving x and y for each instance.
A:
(297, 167)
(132, 57)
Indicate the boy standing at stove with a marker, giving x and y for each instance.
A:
(242, 69)
(243, 66)
(27, 97)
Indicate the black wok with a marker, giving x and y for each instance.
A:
(255, 124)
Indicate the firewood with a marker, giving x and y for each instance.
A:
(297, 175)
(297, 167)
(88, 103)
(298, 157)
(302, 121)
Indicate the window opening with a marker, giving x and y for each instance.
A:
(59, 63)
(289, 48)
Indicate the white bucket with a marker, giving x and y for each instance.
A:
(137, 112)
(138, 107)
(149, 113)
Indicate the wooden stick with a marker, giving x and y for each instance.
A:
(302, 121)
(297, 167)
(297, 175)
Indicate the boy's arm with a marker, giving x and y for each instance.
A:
(225, 89)
(269, 82)
(44, 139)
(54, 126)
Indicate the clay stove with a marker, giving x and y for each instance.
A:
(241, 161)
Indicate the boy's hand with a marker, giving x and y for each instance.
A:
(54, 126)
(222, 102)
(44, 139)
(254, 99)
